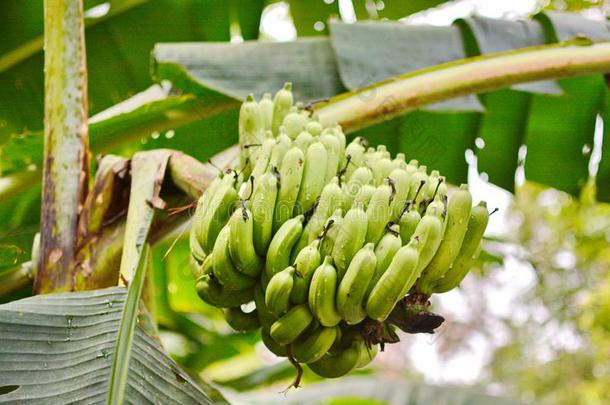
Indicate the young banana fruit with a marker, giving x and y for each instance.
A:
(353, 286)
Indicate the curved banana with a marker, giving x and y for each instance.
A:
(429, 232)
(314, 127)
(199, 269)
(350, 238)
(364, 196)
(458, 212)
(250, 127)
(261, 159)
(197, 252)
(241, 243)
(312, 347)
(359, 178)
(479, 217)
(381, 170)
(314, 174)
(266, 108)
(389, 289)
(367, 354)
(322, 292)
(282, 103)
(218, 211)
(332, 198)
(303, 140)
(402, 181)
(265, 316)
(277, 293)
(241, 321)
(307, 261)
(278, 255)
(379, 212)
(353, 286)
(271, 345)
(282, 145)
(355, 151)
(290, 326)
(385, 251)
(263, 205)
(333, 149)
(223, 268)
(294, 122)
(291, 173)
(213, 293)
(335, 365)
(330, 232)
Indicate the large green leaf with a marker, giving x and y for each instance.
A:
(58, 348)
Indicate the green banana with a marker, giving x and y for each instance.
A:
(272, 346)
(263, 205)
(291, 325)
(197, 252)
(350, 238)
(401, 180)
(338, 132)
(307, 261)
(313, 178)
(205, 267)
(241, 321)
(364, 196)
(282, 103)
(241, 243)
(330, 232)
(385, 251)
(396, 278)
(291, 173)
(331, 198)
(250, 127)
(266, 108)
(213, 293)
(303, 140)
(261, 160)
(265, 316)
(277, 293)
(224, 270)
(367, 354)
(334, 365)
(322, 292)
(218, 211)
(353, 286)
(312, 347)
(429, 232)
(278, 254)
(333, 149)
(408, 223)
(359, 178)
(458, 212)
(379, 212)
(400, 161)
(282, 145)
(355, 150)
(381, 170)
(294, 122)
(479, 217)
(314, 127)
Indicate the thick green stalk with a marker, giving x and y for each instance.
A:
(66, 153)
(397, 96)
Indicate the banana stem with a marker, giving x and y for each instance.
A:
(397, 96)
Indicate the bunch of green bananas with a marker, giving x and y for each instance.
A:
(325, 237)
